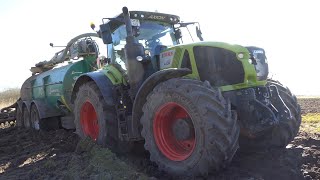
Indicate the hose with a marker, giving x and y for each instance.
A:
(60, 56)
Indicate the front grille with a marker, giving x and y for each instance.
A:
(218, 66)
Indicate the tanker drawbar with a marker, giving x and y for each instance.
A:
(8, 115)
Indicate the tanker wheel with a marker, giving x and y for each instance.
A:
(281, 135)
(46, 124)
(34, 118)
(189, 128)
(26, 118)
(97, 119)
(19, 118)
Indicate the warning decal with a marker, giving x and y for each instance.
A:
(166, 59)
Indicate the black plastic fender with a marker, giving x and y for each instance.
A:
(148, 85)
(102, 81)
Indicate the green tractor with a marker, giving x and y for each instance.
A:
(191, 104)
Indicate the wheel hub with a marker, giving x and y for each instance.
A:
(89, 120)
(173, 132)
(182, 129)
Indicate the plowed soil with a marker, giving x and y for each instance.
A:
(309, 105)
(29, 154)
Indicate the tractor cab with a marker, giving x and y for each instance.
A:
(154, 31)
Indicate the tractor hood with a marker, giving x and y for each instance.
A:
(224, 65)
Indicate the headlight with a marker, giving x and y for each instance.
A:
(240, 55)
(139, 58)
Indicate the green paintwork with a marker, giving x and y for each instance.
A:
(250, 77)
(113, 74)
(57, 84)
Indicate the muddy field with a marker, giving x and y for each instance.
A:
(309, 105)
(27, 154)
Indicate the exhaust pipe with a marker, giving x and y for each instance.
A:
(134, 52)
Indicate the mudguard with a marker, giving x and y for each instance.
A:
(102, 81)
(26, 104)
(148, 85)
(45, 110)
(19, 104)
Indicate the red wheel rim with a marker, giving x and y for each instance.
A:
(89, 120)
(168, 144)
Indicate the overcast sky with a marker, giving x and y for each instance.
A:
(289, 31)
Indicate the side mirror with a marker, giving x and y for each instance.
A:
(105, 34)
(199, 33)
(177, 34)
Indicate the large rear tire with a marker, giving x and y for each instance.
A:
(95, 118)
(189, 128)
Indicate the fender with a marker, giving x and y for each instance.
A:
(103, 82)
(45, 110)
(19, 104)
(148, 85)
(26, 104)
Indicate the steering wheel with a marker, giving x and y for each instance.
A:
(152, 42)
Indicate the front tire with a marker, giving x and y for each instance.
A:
(288, 128)
(189, 128)
(282, 134)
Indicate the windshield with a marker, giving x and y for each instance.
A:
(261, 64)
(151, 34)
(189, 34)
(259, 59)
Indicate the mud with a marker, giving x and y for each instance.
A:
(309, 105)
(300, 160)
(29, 154)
